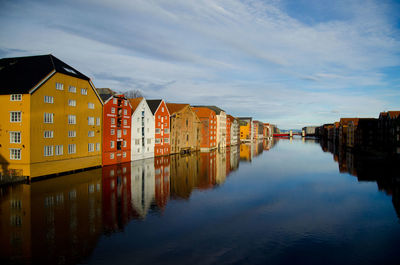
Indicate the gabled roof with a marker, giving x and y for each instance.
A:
(214, 108)
(175, 107)
(153, 104)
(105, 97)
(19, 75)
(135, 103)
(393, 114)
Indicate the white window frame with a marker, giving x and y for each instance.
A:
(72, 149)
(48, 134)
(59, 86)
(112, 132)
(90, 133)
(71, 119)
(16, 97)
(98, 123)
(90, 120)
(72, 89)
(15, 116)
(97, 146)
(72, 102)
(15, 137)
(112, 144)
(71, 133)
(49, 99)
(114, 101)
(84, 91)
(125, 112)
(111, 155)
(90, 105)
(90, 147)
(48, 150)
(125, 122)
(58, 150)
(112, 121)
(48, 117)
(112, 110)
(15, 153)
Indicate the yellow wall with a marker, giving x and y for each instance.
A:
(6, 126)
(60, 126)
(245, 132)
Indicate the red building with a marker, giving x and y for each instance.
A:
(208, 120)
(117, 113)
(162, 123)
(162, 185)
(228, 129)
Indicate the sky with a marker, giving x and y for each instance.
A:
(293, 63)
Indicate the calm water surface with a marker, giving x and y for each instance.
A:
(287, 202)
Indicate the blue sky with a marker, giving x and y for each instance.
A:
(292, 63)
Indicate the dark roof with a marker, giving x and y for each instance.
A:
(19, 75)
(104, 97)
(214, 108)
(153, 104)
(105, 93)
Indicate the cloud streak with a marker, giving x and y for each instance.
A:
(273, 60)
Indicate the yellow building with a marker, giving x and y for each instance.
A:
(51, 118)
(245, 129)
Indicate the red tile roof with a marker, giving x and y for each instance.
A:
(135, 103)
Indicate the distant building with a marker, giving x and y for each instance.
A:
(234, 131)
(208, 120)
(51, 116)
(309, 130)
(389, 131)
(143, 130)
(117, 113)
(246, 128)
(185, 128)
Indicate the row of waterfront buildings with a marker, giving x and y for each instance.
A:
(379, 134)
(54, 120)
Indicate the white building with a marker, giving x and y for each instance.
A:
(143, 130)
(235, 132)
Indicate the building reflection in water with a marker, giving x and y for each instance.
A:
(60, 220)
(378, 167)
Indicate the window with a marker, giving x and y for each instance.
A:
(15, 97)
(91, 134)
(59, 86)
(111, 155)
(124, 143)
(158, 140)
(158, 130)
(97, 146)
(91, 105)
(159, 117)
(137, 141)
(114, 101)
(166, 130)
(125, 122)
(162, 109)
(71, 119)
(72, 89)
(15, 116)
(112, 145)
(83, 91)
(15, 137)
(112, 110)
(166, 140)
(58, 150)
(48, 134)
(112, 132)
(124, 154)
(90, 120)
(125, 112)
(126, 103)
(98, 121)
(48, 117)
(125, 131)
(48, 99)
(48, 150)
(15, 153)
(71, 133)
(112, 121)
(71, 148)
(142, 113)
(90, 147)
(72, 102)
(149, 141)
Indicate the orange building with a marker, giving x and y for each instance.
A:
(162, 125)
(117, 113)
(208, 120)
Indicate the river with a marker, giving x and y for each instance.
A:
(281, 202)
